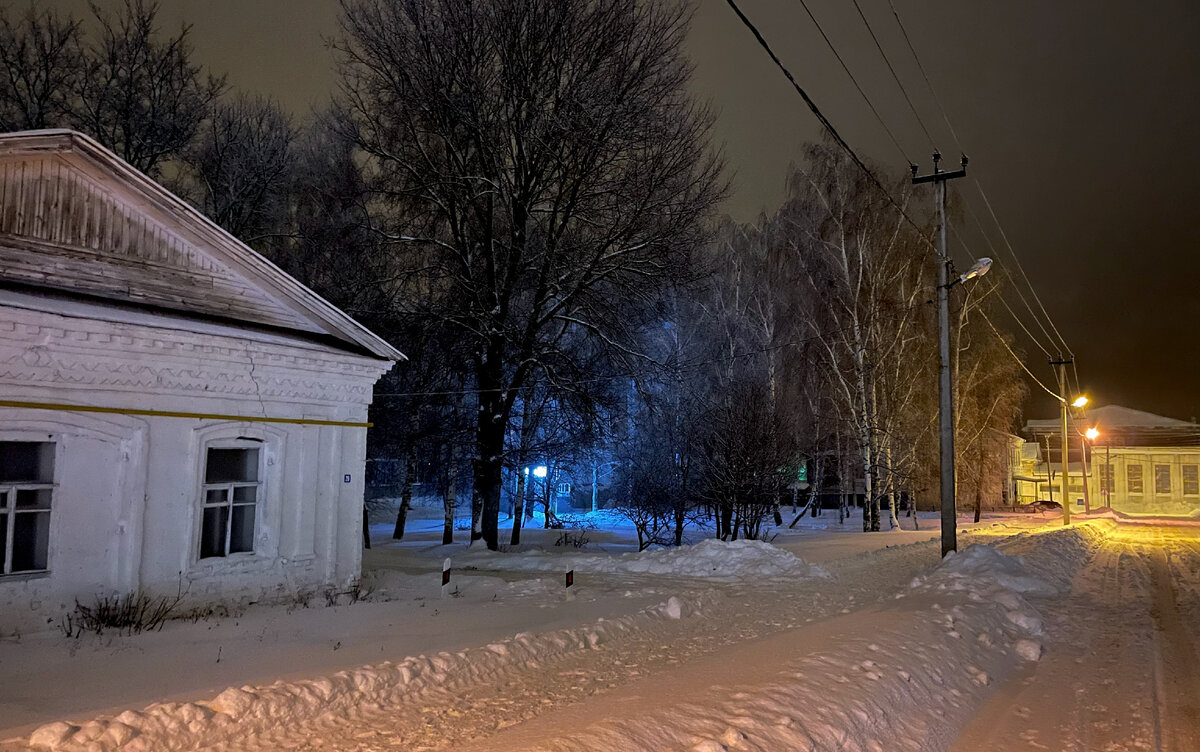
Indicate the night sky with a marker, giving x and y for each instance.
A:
(1082, 122)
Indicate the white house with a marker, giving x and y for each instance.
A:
(175, 411)
(1139, 462)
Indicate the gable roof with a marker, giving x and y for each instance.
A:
(75, 217)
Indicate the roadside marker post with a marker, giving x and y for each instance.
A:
(446, 577)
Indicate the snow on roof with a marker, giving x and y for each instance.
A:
(1115, 417)
(114, 233)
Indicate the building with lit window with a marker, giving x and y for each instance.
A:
(176, 413)
(1139, 463)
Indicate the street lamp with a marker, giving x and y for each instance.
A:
(945, 392)
(1077, 403)
(1106, 491)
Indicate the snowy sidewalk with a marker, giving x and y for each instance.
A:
(1121, 668)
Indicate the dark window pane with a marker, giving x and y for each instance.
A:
(31, 541)
(241, 537)
(212, 532)
(1191, 480)
(216, 496)
(245, 494)
(231, 465)
(26, 462)
(3, 538)
(33, 498)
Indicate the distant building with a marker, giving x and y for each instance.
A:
(1140, 463)
(176, 411)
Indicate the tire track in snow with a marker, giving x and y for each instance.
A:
(1120, 671)
(1177, 679)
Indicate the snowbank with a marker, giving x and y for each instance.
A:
(712, 559)
(901, 679)
(238, 713)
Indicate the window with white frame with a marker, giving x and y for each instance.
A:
(26, 488)
(231, 492)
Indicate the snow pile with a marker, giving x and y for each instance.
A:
(712, 558)
(965, 569)
(238, 713)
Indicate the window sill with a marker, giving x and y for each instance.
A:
(22, 576)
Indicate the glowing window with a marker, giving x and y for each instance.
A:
(26, 487)
(1191, 480)
(1133, 479)
(1162, 479)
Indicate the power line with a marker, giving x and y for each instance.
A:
(1017, 289)
(945, 116)
(1036, 297)
(824, 120)
(899, 83)
(855, 81)
(924, 75)
(1015, 357)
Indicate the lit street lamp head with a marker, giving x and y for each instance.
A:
(979, 269)
(1080, 401)
(1091, 434)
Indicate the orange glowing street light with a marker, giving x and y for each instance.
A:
(1080, 401)
(1091, 434)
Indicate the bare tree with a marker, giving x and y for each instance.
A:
(239, 167)
(41, 65)
(863, 273)
(141, 95)
(539, 165)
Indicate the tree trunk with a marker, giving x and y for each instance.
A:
(725, 517)
(518, 507)
(489, 466)
(449, 503)
(405, 496)
(979, 481)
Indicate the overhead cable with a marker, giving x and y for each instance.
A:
(824, 120)
(899, 83)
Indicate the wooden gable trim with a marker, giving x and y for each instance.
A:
(153, 230)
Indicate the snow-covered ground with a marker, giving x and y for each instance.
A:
(825, 638)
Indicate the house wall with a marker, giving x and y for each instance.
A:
(126, 505)
(1178, 500)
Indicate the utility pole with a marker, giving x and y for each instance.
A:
(1066, 446)
(945, 388)
(1087, 494)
